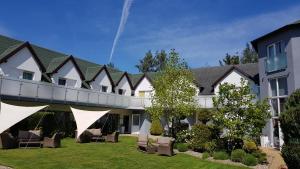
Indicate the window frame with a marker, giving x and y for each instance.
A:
(274, 48)
(61, 78)
(28, 72)
(277, 96)
(104, 87)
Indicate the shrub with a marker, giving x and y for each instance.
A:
(156, 128)
(200, 135)
(249, 146)
(250, 160)
(205, 155)
(291, 154)
(183, 136)
(261, 157)
(221, 155)
(205, 115)
(238, 155)
(182, 147)
(210, 147)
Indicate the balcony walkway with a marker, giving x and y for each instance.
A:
(27, 90)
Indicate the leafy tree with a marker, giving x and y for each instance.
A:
(238, 113)
(230, 60)
(174, 92)
(249, 55)
(147, 64)
(160, 60)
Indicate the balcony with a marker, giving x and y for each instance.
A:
(27, 90)
(277, 63)
(19, 89)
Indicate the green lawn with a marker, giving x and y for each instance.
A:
(99, 155)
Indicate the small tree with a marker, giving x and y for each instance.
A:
(174, 92)
(238, 113)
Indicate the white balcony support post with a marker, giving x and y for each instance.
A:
(20, 88)
(37, 91)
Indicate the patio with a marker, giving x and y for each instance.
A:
(99, 155)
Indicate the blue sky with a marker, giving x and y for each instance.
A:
(202, 31)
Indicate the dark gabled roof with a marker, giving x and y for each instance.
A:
(93, 72)
(136, 79)
(207, 77)
(295, 24)
(119, 76)
(12, 50)
(63, 62)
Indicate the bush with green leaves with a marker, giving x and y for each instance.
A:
(200, 135)
(205, 155)
(249, 146)
(291, 154)
(204, 115)
(156, 128)
(238, 155)
(261, 156)
(250, 160)
(290, 127)
(182, 147)
(221, 155)
(183, 136)
(210, 147)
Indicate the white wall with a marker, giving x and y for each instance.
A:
(21, 61)
(69, 72)
(234, 78)
(145, 86)
(101, 80)
(124, 84)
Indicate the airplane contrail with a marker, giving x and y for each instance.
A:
(124, 17)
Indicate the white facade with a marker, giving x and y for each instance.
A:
(101, 80)
(68, 72)
(235, 78)
(125, 86)
(22, 61)
(144, 88)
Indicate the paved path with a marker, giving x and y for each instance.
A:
(274, 158)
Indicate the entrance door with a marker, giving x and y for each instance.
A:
(135, 128)
(126, 123)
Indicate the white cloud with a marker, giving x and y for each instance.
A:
(204, 44)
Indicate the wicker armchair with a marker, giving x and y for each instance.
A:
(142, 142)
(7, 141)
(165, 146)
(53, 142)
(114, 137)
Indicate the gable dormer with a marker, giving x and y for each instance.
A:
(67, 73)
(124, 85)
(143, 87)
(20, 61)
(102, 81)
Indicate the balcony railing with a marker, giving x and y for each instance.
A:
(276, 64)
(52, 93)
(49, 92)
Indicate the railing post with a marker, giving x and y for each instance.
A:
(20, 88)
(1, 85)
(37, 91)
(52, 92)
(88, 100)
(77, 96)
(66, 95)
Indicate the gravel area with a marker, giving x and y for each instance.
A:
(3, 167)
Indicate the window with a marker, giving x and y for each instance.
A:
(28, 75)
(141, 93)
(278, 94)
(135, 119)
(104, 89)
(276, 58)
(121, 91)
(62, 82)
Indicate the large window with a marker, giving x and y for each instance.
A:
(278, 94)
(28, 75)
(276, 59)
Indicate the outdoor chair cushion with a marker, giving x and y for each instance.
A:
(95, 132)
(164, 141)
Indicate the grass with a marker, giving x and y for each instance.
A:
(100, 155)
